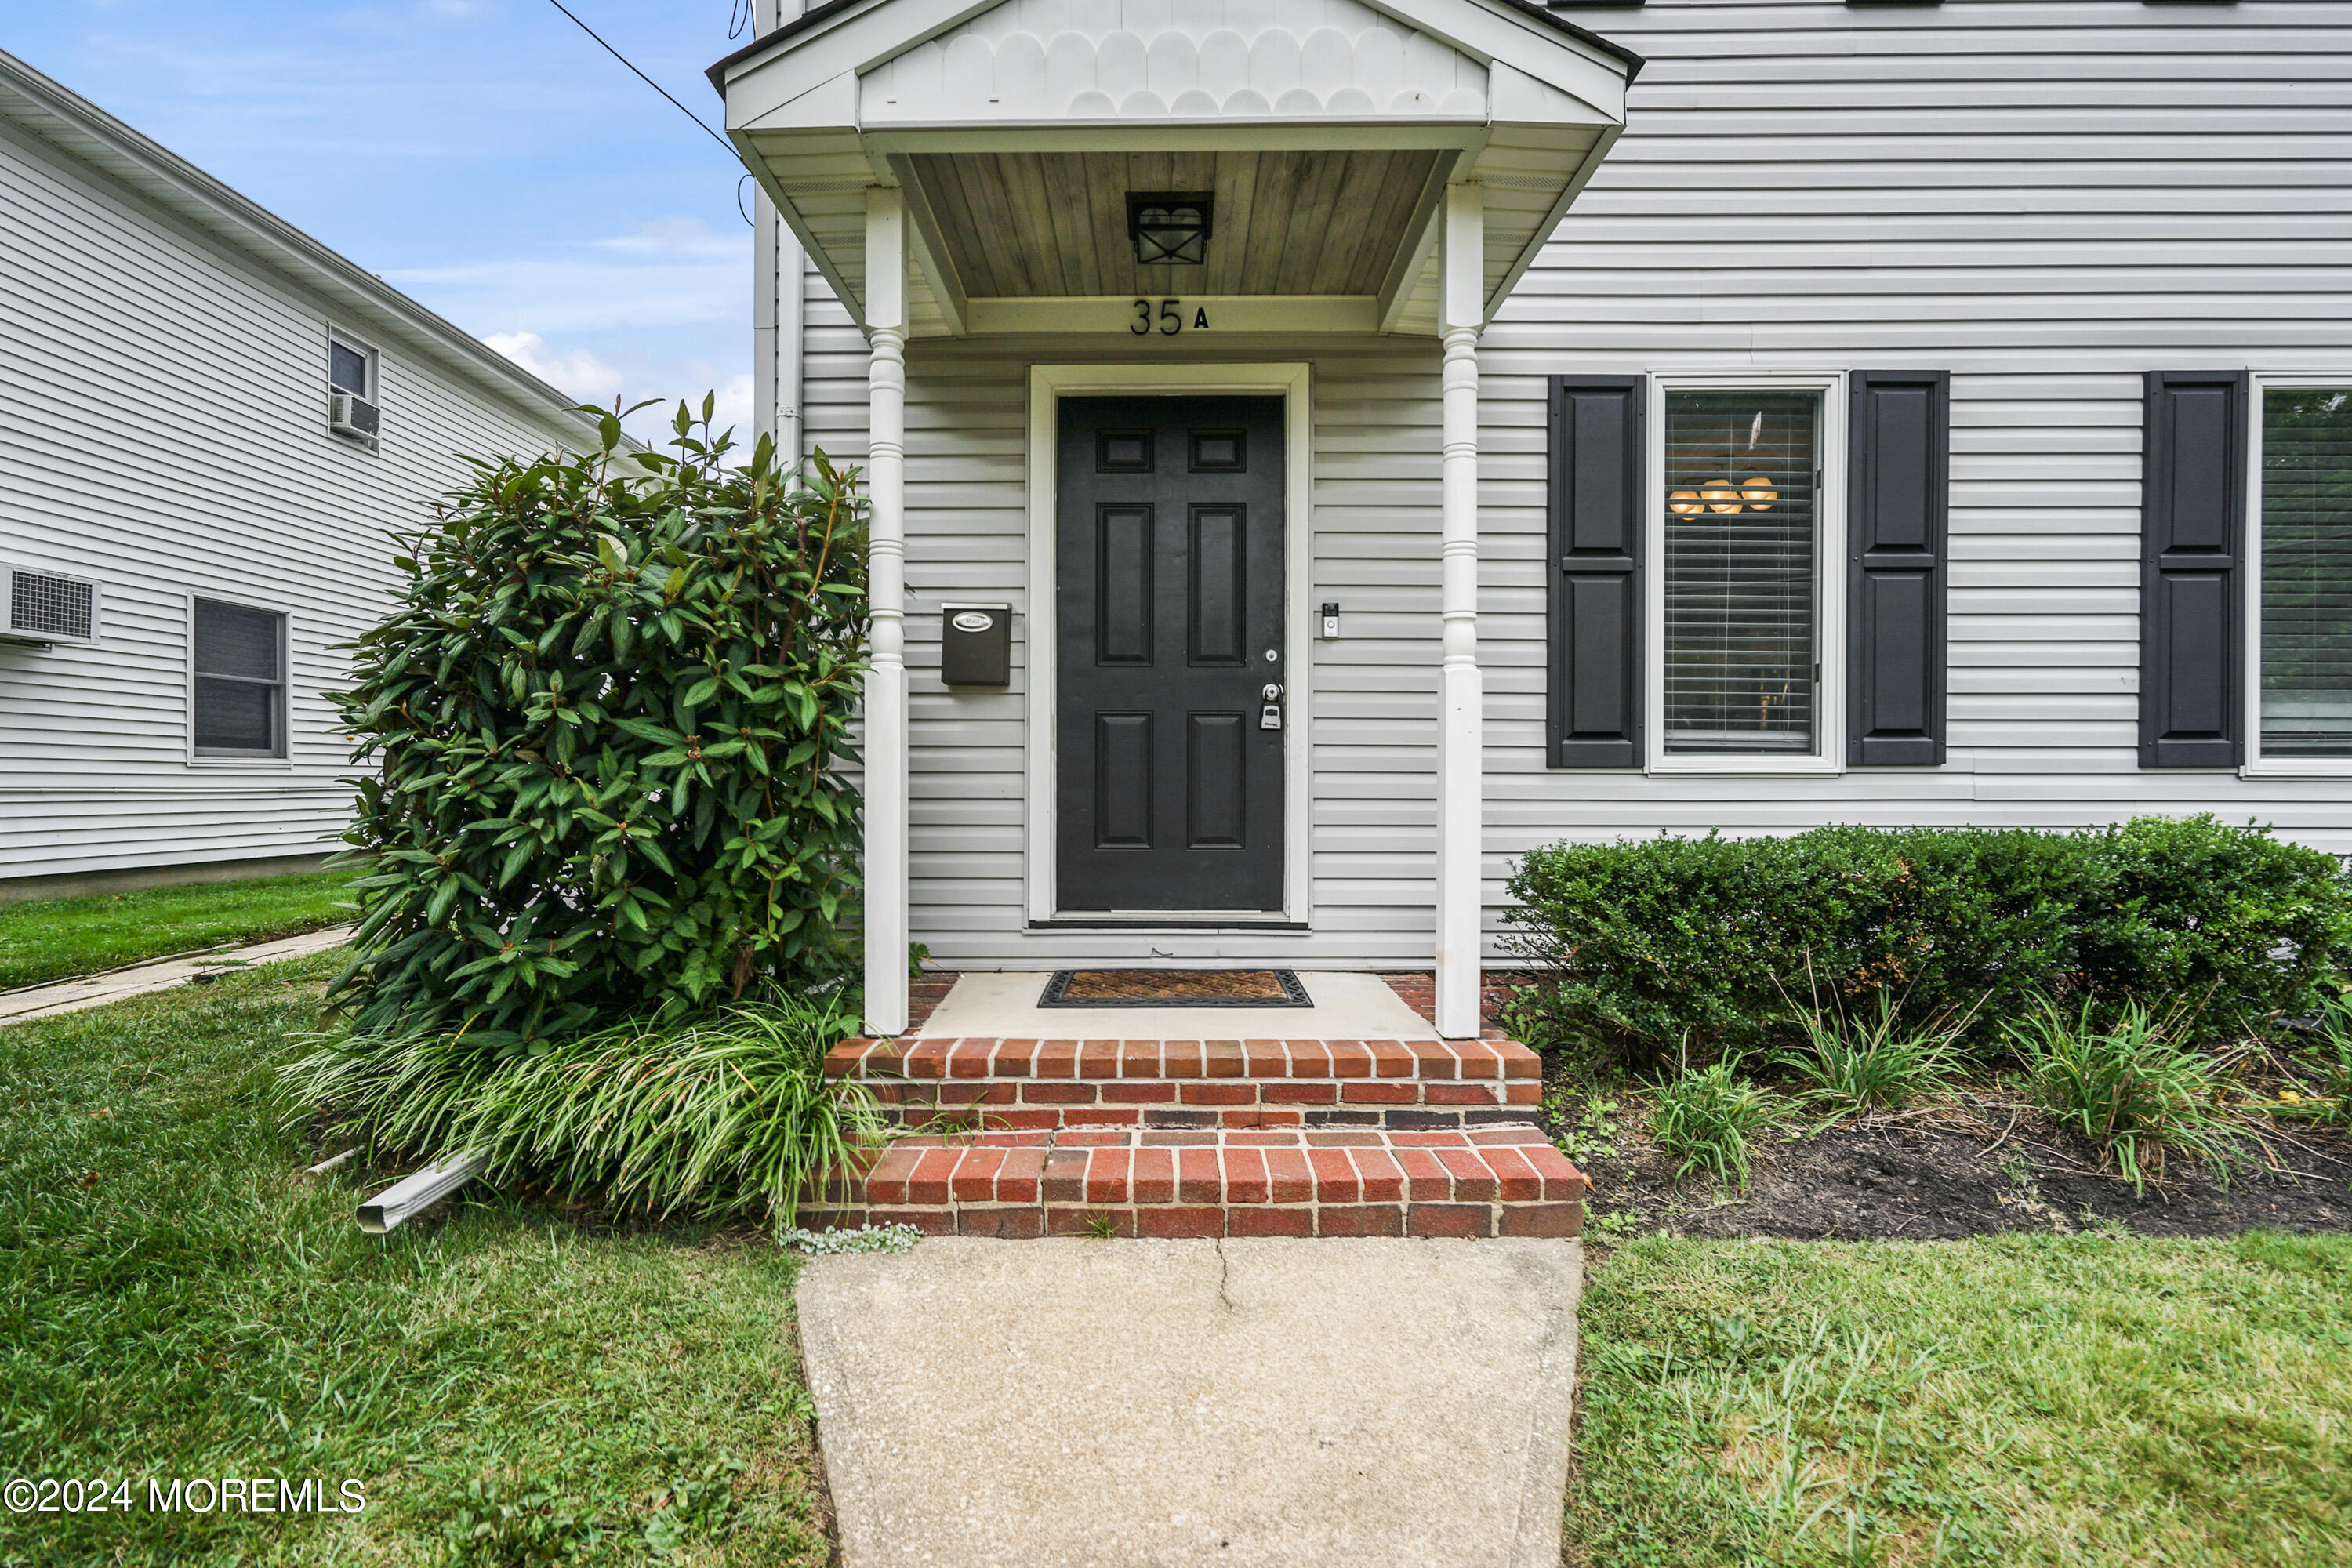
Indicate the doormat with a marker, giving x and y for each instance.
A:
(1174, 988)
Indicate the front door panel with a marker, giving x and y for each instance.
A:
(1169, 589)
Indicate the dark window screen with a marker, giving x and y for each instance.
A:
(1741, 565)
(347, 369)
(240, 679)
(2307, 573)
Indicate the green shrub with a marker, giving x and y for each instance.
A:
(1704, 1118)
(726, 1115)
(2133, 1089)
(610, 717)
(1639, 945)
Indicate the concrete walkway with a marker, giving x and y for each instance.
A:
(1128, 1403)
(138, 979)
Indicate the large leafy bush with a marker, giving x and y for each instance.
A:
(610, 718)
(1646, 948)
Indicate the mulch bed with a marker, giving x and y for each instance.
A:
(1960, 1168)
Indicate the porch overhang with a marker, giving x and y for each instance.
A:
(1328, 130)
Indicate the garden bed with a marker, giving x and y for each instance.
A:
(1940, 1171)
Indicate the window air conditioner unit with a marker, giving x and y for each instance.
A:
(45, 607)
(356, 417)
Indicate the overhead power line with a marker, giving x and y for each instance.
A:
(649, 81)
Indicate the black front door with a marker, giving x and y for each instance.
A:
(1169, 573)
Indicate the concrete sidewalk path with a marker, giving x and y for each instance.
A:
(162, 974)
(1063, 1403)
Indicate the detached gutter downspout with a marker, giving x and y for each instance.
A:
(414, 1194)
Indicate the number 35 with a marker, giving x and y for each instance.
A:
(1171, 319)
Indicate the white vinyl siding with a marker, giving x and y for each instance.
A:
(2047, 199)
(163, 433)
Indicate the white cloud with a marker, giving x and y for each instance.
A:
(676, 237)
(566, 295)
(589, 377)
(735, 408)
(579, 374)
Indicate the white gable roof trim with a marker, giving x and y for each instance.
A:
(61, 119)
(1032, 60)
(1046, 60)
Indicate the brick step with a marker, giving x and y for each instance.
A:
(1479, 1182)
(1014, 1085)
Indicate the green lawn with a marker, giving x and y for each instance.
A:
(2020, 1400)
(173, 1305)
(52, 939)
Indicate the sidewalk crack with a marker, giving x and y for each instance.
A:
(1224, 1275)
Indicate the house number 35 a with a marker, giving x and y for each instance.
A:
(1170, 319)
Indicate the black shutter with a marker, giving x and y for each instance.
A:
(2192, 539)
(1596, 577)
(1900, 468)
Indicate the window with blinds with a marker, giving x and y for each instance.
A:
(240, 681)
(2306, 573)
(1742, 572)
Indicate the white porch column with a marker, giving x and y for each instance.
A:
(886, 683)
(1461, 806)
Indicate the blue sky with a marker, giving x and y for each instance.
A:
(484, 155)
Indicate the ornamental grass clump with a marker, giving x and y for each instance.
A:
(2322, 1064)
(1868, 1058)
(723, 1115)
(609, 728)
(1704, 1117)
(2133, 1089)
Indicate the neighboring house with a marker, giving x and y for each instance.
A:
(1737, 421)
(208, 424)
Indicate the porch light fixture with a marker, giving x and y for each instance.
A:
(1170, 228)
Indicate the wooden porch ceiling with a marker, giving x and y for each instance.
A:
(1032, 225)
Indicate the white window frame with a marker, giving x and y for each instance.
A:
(1828, 758)
(284, 756)
(337, 338)
(2256, 765)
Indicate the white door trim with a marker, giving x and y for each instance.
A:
(1048, 384)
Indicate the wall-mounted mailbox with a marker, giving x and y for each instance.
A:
(976, 644)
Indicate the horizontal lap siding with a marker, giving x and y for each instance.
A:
(1375, 548)
(163, 430)
(2047, 199)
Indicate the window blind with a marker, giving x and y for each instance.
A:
(2306, 588)
(240, 682)
(1741, 566)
